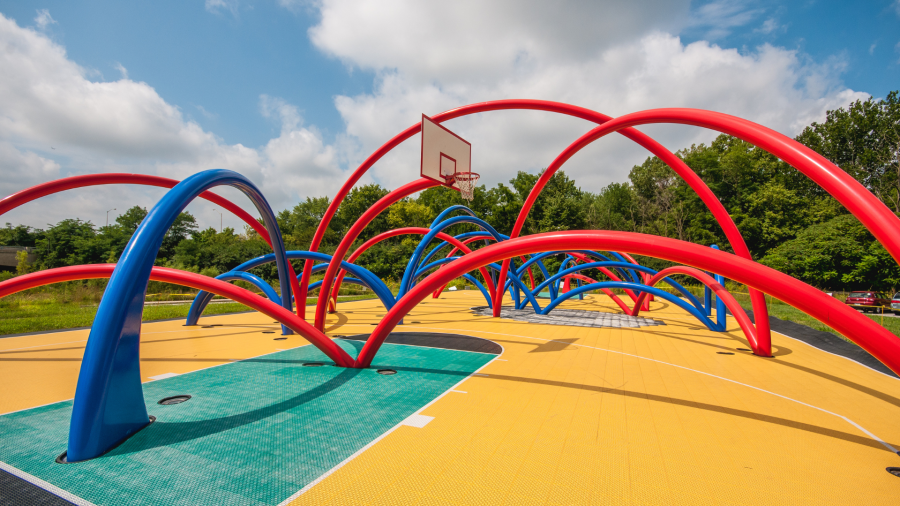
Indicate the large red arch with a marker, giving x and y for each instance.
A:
(739, 314)
(190, 279)
(69, 183)
(875, 339)
(654, 147)
(351, 235)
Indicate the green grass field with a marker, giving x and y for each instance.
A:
(19, 315)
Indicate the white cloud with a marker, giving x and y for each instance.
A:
(217, 6)
(897, 7)
(122, 70)
(48, 105)
(481, 41)
(637, 67)
(872, 48)
(43, 19)
(770, 26)
(614, 57)
(721, 16)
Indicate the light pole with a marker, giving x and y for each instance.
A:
(220, 219)
(107, 216)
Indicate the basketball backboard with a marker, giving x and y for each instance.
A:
(443, 153)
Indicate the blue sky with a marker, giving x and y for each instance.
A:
(301, 91)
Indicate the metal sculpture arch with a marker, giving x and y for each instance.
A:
(109, 403)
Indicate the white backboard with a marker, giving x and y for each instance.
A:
(443, 153)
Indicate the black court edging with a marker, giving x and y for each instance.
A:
(15, 490)
(827, 342)
(436, 340)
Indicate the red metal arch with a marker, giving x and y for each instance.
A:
(654, 147)
(411, 231)
(184, 278)
(875, 339)
(607, 291)
(739, 314)
(335, 265)
(485, 237)
(69, 183)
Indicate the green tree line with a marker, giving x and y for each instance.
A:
(788, 222)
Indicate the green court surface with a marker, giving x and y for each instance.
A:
(254, 431)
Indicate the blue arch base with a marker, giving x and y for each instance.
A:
(109, 402)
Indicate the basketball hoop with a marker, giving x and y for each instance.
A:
(466, 182)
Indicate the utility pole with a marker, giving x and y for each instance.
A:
(220, 219)
(107, 216)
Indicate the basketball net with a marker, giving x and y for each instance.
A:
(466, 182)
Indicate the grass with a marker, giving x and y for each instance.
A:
(40, 312)
(784, 311)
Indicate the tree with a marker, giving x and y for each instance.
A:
(22, 264)
(357, 202)
(864, 140)
(408, 213)
(20, 235)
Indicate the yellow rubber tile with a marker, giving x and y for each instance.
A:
(567, 415)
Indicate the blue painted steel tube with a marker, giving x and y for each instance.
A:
(633, 286)
(412, 266)
(640, 286)
(494, 267)
(109, 401)
(460, 237)
(721, 312)
(371, 280)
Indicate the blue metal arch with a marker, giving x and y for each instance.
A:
(366, 276)
(517, 283)
(641, 287)
(411, 267)
(697, 313)
(109, 401)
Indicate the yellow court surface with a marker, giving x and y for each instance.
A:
(667, 414)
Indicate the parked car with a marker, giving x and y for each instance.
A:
(870, 301)
(895, 303)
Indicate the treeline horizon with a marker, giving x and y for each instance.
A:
(788, 222)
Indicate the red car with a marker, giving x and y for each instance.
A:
(869, 301)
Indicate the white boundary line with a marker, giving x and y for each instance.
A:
(836, 355)
(388, 432)
(851, 422)
(72, 498)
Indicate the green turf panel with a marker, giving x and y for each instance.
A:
(254, 432)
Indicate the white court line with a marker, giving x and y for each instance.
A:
(851, 422)
(164, 376)
(379, 438)
(459, 391)
(72, 498)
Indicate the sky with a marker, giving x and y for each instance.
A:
(294, 94)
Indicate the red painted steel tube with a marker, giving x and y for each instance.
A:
(654, 147)
(739, 314)
(184, 278)
(437, 293)
(606, 291)
(69, 183)
(42, 190)
(689, 176)
(609, 273)
(417, 231)
(875, 339)
(351, 235)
